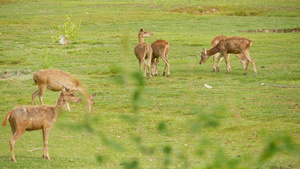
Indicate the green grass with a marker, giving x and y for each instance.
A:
(173, 122)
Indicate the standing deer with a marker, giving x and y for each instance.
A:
(143, 51)
(234, 45)
(49, 78)
(36, 117)
(160, 49)
(214, 42)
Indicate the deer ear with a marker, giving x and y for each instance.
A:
(64, 90)
(142, 30)
(205, 51)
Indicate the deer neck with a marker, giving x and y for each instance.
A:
(213, 51)
(141, 39)
(60, 103)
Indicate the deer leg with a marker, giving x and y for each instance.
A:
(46, 138)
(41, 93)
(243, 60)
(214, 62)
(166, 65)
(165, 59)
(34, 95)
(167, 55)
(68, 107)
(245, 65)
(12, 142)
(153, 63)
(149, 54)
(227, 61)
(144, 62)
(246, 54)
(220, 58)
(157, 61)
(140, 65)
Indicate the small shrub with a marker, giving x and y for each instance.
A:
(67, 32)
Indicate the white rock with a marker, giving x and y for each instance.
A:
(207, 86)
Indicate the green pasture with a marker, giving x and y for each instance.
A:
(158, 122)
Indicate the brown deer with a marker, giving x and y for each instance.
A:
(160, 49)
(143, 51)
(234, 45)
(35, 118)
(214, 42)
(49, 78)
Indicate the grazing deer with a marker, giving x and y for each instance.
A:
(143, 51)
(50, 78)
(234, 45)
(214, 42)
(36, 117)
(160, 49)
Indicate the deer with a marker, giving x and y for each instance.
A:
(160, 49)
(220, 57)
(235, 45)
(49, 78)
(29, 118)
(143, 51)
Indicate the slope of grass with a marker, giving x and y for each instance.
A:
(162, 122)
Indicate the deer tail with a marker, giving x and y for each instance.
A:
(34, 79)
(6, 118)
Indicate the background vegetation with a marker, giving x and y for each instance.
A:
(162, 122)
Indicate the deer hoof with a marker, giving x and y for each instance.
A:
(46, 157)
(164, 74)
(245, 73)
(215, 70)
(13, 160)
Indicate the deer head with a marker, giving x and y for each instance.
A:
(145, 34)
(204, 56)
(69, 96)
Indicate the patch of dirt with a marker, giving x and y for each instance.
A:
(3, 2)
(199, 10)
(16, 74)
(274, 30)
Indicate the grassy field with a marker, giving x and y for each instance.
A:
(162, 122)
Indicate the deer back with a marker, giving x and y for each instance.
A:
(234, 45)
(217, 39)
(159, 46)
(52, 77)
(33, 117)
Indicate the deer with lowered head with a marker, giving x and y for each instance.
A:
(160, 49)
(49, 78)
(220, 57)
(235, 45)
(143, 51)
(35, 118)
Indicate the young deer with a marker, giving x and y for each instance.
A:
(214, 42)
(50, 78)
(36, 117)
(160, 49)
(234, 45)
(143, 51)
